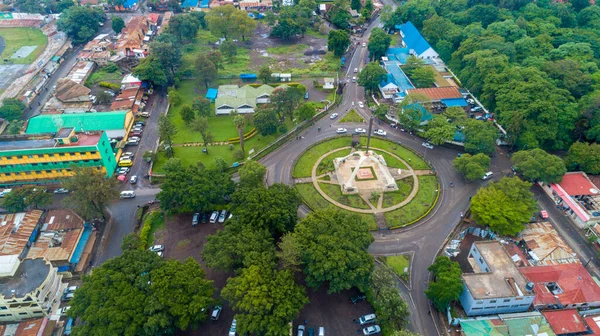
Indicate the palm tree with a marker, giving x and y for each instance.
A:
(240, 124)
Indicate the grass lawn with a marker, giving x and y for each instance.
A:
(103, 76)
(16, 38)
(395, 197)
(315, 201)
(398, 264)
(413, 159)
(326, 164)
(204, 43)
(303, 167)
(352, 116)
(419, 205)
(287, 49)
(335, 192)
(315, 33)
(391, 161)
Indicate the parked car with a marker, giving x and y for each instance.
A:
(364, 44)
(321, 331)
(195, 219)
(128, 154)
(133, 142)
(63, 311)
(367, 319)
(360, 130)
(5, 192)
(301, 329)
(372, 330)
(233, 328)
(133, 179)
(127, 194)
(544, 214)
(216, 313)
(353, 79)
(222, 216)
(67, 296)
(476, 109)
(357, 298)
(360, 104)
(139, 123)
(310, 332)
(125, 163)
(214, 217)
(61, 191)
(145, 114)
(123, 170)
(333, 116)
(487, 176)
(204, 218)
(341, 131)
(355, 70)
(157, 248)
(306, 95)
(70, 289)
(427, 145)
(125, 157)
(135, 134)
(380, 132)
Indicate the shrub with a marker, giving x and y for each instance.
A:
(109, 85)
(282, 129)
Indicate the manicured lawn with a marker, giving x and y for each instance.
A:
(316, 202)
(413, 159)
(287, 49)
(391, 161)
(419, 205)
(303, 167)
(395, 197)
(398, 264)
(352, 117)
(326, 164)
(15, 38)
(335, 192)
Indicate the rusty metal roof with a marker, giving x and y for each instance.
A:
(547, 245)
(16, 229)
(59, 236)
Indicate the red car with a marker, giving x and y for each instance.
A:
(544, 214)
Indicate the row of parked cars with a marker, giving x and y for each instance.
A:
(359, 130)
(217, 216)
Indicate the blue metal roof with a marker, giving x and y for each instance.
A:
(129, 3)
(248, 76)
(211, 94)
(189, 3)
(454, 102)
(400, 77)
(413, 39)
(459, 136)
(87, 231)
(425, 115)
(204, 3)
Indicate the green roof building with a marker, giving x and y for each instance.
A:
(116, 124)
(242, 99)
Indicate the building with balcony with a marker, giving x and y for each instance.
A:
(48, 157)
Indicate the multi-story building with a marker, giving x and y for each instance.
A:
(496, 285)
(48, 157)
(28, 288)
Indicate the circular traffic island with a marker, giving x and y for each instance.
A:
(389, 185)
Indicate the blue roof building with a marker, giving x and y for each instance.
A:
(413, 40)
(189, 3)
(449, 102)
(211, 94)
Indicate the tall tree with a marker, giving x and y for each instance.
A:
(379, 42)
(355, 4)
(423, 77)
(504, 205)
(306, 111)
(473, 167)
(168, 54)
(370, 76)
(447, 284)
(11, 109)
(289, 252)
(177, 292)
(480, 137)
(187, 114)
(326, 239)
(80, 23)
(240, 123)
(206, 70)
(338, 41)
(117, 24)
(538, 165)
(14, 201)
(201, 106)
(265, 74)
(220, 21)
(166, 131)
(200, 125)
(265, 120)
(150, 69)
(286, 100)
(584, 156)
(37, 197)
(266, 300)
(439, 130)
(252, 174)
(91, 191)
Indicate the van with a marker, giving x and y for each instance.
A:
(366, 319)
(353, 79)
(355, 70)
(125, 163)
(321, 331)
(195, 219)
(127, 194)
(213, 217)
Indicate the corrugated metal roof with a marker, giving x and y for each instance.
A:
(60, 233)
(16, 229)
(547, 245)
(565, 321)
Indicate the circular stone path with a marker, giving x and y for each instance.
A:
(373, 210)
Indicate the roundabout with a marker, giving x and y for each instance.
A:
(388, 185)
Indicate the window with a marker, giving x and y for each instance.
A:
(25, 313)
(477, 308)
(48, 171)
(30, 156)
(62, 154)
(519, 299)
(492, 301)
(481, 260)
(506, 300)
(524, 305)
(3, 308)
(479, 302)
(28, 173)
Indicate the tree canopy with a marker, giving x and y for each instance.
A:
(11, 109)
(379, 42)
(370, 76)
(91, 191)
(584, 156)
(473, 167)
(338, 41)
(447, 284)
(505, 206)
(538, 165)
(81, 23)
(117, 24)
(20, 199)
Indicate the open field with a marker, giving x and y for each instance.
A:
(15, 38)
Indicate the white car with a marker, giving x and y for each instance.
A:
(487, 176)
(133, 179)
(61, 191)
(122, 170)
(341, 131)
(145, 114)
(157, 248)
(427, 145)
(128, 154)
(360, 130)
(125, 157)
(364, 44)
(372, 330)
(380, 132)
(333, 116)
(360, 104)
(63, 311)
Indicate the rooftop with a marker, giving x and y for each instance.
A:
(504, 278)
(69, 91)
(29, 276)
(565, 321)
(32, 327)
(520, 324)
(45, 141)
(438, 93)
(235, 96)
(547, 247)
(567, 284)
(577, 183)
(16, 229)
(593, 321)
(59, 236)
(413, 39)
(99, 121)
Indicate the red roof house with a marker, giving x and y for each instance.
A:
(593, 321)
(565, 321)
(562, 286)
(438, 93)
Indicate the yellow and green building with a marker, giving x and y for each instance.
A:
(47, 158)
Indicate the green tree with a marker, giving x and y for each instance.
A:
(14, 201)
(286, 29)
(289, 252)
(206, 70)
(480, 137)
(201, 106)
(355, 4)
(382, 277)
(584, 156)
(265, 120)
(174, 97)
(286, 100)
(326, 239)
(150, 69)
(229, 49)
(185, 27)
(439, 130)
(80, 23)
(240, 123)
(423, 77)
(130, 242)
(187, 114)
(411, 111)
(91, 191)
(370, 76)
(266, 300)
(473, 167)
(306, 111)
(379, 42)
(216, 58)
(391, 309)
(504, 205)
(338, 41)
(339, 17)
(168, 53)
(200, 125)
(265, 74)
(538, 165)
(37, 197)
(456, 115)
(11, 109)
(381, 111)
(252, 174)
(15, 127)
(220, 21)
(447, 284)
(415, 11)
(117, 24)
(166, 131)
(177, 292)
